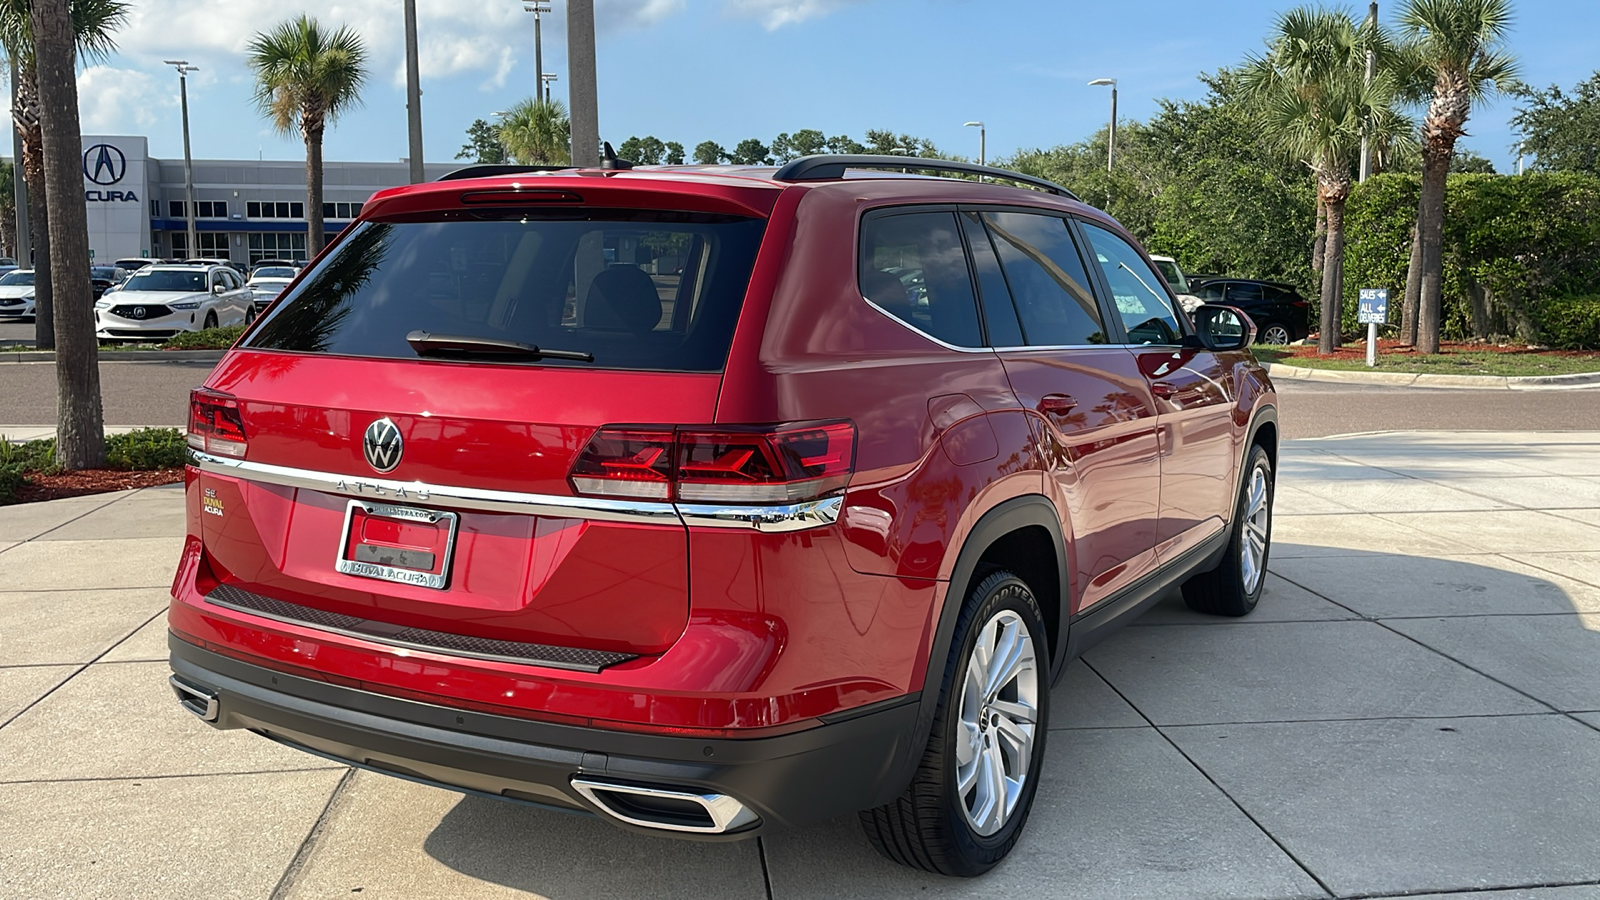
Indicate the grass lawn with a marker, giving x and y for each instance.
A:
(1453, 361)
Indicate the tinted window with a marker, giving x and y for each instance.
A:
(914, 267)
(1211, 293)
(167, 280)
(1140, 298)
(1047, 280)
(1244, 293)
(998, 311)
(1278, 295)
(646, 290)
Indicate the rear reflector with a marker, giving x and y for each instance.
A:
(214, 424)
(780, 465)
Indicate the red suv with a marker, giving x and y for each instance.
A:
(709, 500)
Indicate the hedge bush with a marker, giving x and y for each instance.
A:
(1512, 245)
(205, 339)
(1570, 323)
(136, 451)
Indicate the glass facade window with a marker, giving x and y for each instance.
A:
(213, 244)
(276, 209)
(341, 210)
(277, 246)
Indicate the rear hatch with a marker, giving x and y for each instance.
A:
(395, 442)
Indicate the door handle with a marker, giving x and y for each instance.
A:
(1057, 404)
(1163, 390)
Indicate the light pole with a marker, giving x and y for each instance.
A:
(582, 90)
(183, 67)
(548, 78)
(1111, 143)
(983, 139)
(538, 8)
(413, 95)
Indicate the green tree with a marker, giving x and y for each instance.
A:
(1314, 105)
(483, 144)
(1562, 130)
(93, 23)
(645, 151)
(306, 76)
(674, 153)
(843, 143)
(805, 142)
(1457, 48)
(886, 142)
(537, 132)
(750, 152)
(709, 153)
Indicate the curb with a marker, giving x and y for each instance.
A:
(149, 356)
(1460, 382)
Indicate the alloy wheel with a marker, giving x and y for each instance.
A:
(1257, 530)
(1277, 335)
(1000, 698)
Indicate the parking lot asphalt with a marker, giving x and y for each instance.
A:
(1413, 710)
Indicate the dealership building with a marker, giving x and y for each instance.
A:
(245, 210)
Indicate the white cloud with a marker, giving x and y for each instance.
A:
(111, 100)
(775, 14)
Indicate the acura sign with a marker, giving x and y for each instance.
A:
(106, 165)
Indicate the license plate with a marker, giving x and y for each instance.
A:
(403, 544)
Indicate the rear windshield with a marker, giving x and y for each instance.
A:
(637, 290)
(272, 272)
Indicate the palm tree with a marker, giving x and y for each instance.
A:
(1457, 47)
(1312, 100)
(305, 77)
(537, 132)
(93, 23)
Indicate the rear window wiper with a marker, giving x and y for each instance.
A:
(455, 345)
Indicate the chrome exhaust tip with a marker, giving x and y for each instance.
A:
(667, 809)
(200, 701)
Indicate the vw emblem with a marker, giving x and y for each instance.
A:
(382, 445)
(139, 312)
(104, 164)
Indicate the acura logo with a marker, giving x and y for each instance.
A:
(104, 164)
(139, 312)
(382, 445)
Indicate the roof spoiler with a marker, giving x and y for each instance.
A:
(492, 170)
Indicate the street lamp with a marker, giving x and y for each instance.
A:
(548, 78)
(982, 140)
(538, 8)
(183, 67)
(413, 94)
(1111, 143)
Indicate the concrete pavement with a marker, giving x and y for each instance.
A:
(1413, 710)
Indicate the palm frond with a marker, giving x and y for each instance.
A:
(304, 71)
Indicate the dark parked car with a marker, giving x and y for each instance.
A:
(1281, 315)
(809, 527)
(105, 277)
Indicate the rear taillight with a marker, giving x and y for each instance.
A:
(214, 424)
(780, 465)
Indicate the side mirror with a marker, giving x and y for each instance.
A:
(1223, 328)
(219, 289)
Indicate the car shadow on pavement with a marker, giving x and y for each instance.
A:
(1383, 724)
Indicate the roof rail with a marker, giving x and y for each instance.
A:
(828, 166)
(490, 170)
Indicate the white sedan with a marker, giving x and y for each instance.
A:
(16, 295)
(267, 282)
(161, 301)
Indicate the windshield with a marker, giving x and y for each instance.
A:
(17, 278)
(638, 290)
(167, 280)
(273, 272)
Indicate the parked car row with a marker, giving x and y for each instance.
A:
(1281, 315)
(160, 301)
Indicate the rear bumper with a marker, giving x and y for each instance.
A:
(849, 763)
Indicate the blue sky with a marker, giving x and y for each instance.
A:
(691, 70)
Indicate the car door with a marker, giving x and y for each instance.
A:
(1092, 412)
(1193, 388)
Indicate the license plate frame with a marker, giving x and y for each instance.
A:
(397, 574)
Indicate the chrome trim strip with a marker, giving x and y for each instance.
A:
(777, 519)
(767, 519)
(454, 497)
(726, 814)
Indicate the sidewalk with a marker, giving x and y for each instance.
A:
(1414, 709)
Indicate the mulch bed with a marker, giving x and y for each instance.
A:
(90, 481)
(1358, 351)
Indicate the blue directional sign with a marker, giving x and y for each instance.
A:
(1374, 307)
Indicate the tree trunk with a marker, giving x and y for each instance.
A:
(80, 428)
(1430, 223)
(1413, 297)
(1320, 249)
(312, 128)
(1332, 276)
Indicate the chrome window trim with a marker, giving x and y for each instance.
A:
(918, 331)
(775, 519)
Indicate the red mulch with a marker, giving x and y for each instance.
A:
(1358, 350)
(90, 481)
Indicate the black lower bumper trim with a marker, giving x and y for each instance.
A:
(787, 780)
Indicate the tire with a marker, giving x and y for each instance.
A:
(1276, 334)
(932, 826)
(1234, 587)
(211, 320)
